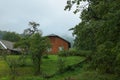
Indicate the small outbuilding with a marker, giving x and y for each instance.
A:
(57, 44)
(9, 47)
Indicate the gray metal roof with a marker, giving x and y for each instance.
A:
(52, 35)
(6, 44)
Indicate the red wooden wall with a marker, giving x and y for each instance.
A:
(56, 43)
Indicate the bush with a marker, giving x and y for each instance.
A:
(13, 64)
(70, 52)
(74, 52)
(61, 65)
(63, 53)
(22, 61)
(85, 53)
(45, 56)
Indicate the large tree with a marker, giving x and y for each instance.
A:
(99, 31)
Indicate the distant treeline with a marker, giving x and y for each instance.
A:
(13, 36)
(10, 36)
(2, 34)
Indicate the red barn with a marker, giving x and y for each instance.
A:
(58, 44)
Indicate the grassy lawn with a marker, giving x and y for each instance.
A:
(49, 66)
(4, 69)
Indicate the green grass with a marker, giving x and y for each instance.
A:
(4, 69)
(49, 66)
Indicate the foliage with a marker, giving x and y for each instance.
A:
(85, 53)
(104, 62)
(63, 53)
(23, 44)
(35, 44)
(61, 65)
(11, 36)
(22, 60)
(75, 52)
(99, 32)
(2, 33)
(70, 52)
(38, 46)
(33, 29)
(45, 56)
(12, 63)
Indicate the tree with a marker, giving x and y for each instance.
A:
(39, 45)
(35, 44)
(99, 31)
(24, 42)
(11, 36)
(33, 29)
(24, 45)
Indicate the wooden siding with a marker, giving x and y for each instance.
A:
(58, 42)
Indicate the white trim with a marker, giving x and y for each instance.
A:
(3, 45)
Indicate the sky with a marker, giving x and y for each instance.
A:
(16, 14)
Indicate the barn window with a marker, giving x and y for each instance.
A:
(61, 48)
(49, 49)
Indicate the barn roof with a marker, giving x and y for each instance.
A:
(53, 35)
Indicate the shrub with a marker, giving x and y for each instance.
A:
(70, 52)
(85, 53)
(22, 61)
(45, 56)
(13, 64)
(63, 53)
(74, 52)
(61, 65)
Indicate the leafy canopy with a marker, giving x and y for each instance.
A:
(99, 31)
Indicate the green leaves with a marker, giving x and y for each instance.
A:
(34, 44)
(38, 45)
(99, 31)
(11, 36)
(70, 4)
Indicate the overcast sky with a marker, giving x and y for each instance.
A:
(50, 14)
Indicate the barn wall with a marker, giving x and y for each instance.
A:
(57, 42)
